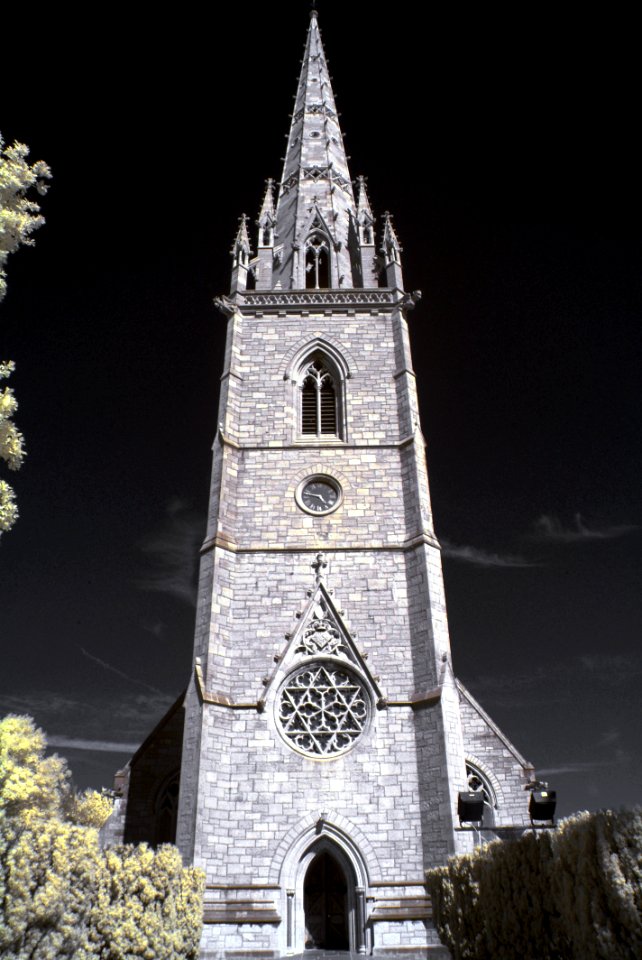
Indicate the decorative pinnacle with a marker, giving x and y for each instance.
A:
(242, 240)
(364, 210)
(267, 207)
(390, 239)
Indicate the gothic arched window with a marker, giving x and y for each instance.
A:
(317, 262)
(166, 809)
(478, 781)
(319, 406)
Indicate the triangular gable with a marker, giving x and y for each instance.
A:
(466, 695)
(322, 634)
(316, 221)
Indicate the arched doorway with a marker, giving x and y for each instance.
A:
(325, 904)
(323, 873)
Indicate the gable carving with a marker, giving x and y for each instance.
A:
(321, 635)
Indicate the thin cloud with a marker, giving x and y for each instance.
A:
(143, 709)
(608, 738)
(24, 704)
(578, 767)
(573, 678)
(106, 746)
(512, 691)
(119, 673)
(482, 558)
(614, 668)
(620, 758)
(126, 717)
(173, 554)
(549, 527)
(530, 679)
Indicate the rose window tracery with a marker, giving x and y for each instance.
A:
(322, 710)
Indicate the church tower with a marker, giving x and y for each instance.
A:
(326, 737)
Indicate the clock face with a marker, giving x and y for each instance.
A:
(319, 495)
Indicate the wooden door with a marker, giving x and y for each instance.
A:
(325, 898)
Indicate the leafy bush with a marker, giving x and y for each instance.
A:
(572, 894)
(60, 894)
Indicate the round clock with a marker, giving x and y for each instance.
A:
(319, 494)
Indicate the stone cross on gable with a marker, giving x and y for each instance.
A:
(319, 566)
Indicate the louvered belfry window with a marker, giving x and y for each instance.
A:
(318, 401)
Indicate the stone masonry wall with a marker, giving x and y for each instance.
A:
(507, 771)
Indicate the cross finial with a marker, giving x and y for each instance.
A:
(319, 566)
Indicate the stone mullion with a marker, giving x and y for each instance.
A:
(318, 387)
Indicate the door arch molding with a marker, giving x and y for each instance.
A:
(323, 837)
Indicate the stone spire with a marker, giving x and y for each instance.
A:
(265, 259)
(366, 229)
(240, 256)
(266, 219)
(365, 218)
(316, 242)
(391, 251)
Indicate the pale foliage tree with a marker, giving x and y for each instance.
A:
(12, 449)
(19, 217)
(60, 894)
(19, 213)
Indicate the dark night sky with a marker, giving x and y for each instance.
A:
(510, 168)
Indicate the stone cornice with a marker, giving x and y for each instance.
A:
(275, 301)
(302, 445)
(219, 699)
(224, 542)
(426, 699)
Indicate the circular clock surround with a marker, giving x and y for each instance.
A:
(319, 494)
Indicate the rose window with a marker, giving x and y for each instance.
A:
(323, 710)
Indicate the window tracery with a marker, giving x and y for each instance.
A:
(477, 781)
(318, 400)
(166, 808)
(317, 262)
(322, 710)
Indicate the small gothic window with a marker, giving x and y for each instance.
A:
(317, 264)
(318, 401)
(477, 781)
(167, 810)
